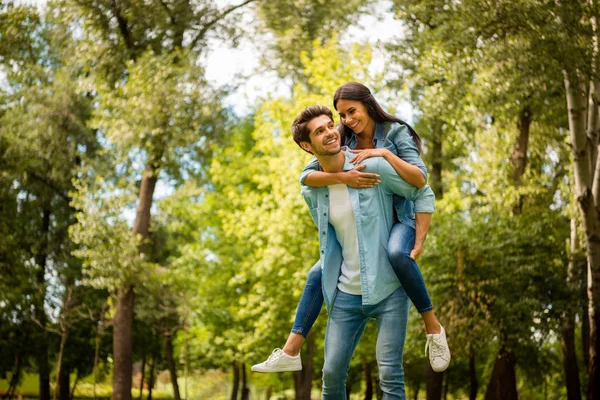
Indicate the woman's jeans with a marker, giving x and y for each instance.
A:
(346, 323)
(401, 242)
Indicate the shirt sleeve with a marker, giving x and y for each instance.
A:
(423, 198)
(313, 165)
(309, 198)
(402, 144)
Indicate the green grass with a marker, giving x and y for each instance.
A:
(29, 387)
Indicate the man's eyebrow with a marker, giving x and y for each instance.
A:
(319, 127)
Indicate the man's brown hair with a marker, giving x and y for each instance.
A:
(299, 126)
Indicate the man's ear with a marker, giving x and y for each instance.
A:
(306, 146)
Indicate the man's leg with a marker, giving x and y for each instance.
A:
(345, 326)
(392, 321)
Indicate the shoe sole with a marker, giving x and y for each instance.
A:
(441, 369)
(288, 369)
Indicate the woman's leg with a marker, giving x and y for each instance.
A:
(309, 307)
(401, 242)
(308, 310)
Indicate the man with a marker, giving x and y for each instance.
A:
(358, 281)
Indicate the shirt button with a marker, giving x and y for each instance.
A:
(325, 214)
(326, 195)
(322, 251)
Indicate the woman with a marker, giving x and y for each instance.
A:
(371, 132)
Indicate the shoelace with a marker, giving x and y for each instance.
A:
(275, 355)
(437, 349)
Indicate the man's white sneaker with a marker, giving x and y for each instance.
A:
(439, 352)
(278, 361)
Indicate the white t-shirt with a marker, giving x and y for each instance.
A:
(341, 216)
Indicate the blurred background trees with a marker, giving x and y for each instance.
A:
(148, 227)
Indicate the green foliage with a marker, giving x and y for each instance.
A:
(297, 24)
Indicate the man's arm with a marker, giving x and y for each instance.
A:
(310, 199)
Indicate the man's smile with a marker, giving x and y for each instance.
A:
(329, 141)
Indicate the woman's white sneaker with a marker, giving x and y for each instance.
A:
(278, 361)
(439, 352)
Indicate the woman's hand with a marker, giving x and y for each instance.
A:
(362, 155)
(360, 180)
(416, 252)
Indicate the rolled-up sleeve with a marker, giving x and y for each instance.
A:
(313, 165)
(424, 198)
(402, 144)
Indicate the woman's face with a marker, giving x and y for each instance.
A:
(354, 115)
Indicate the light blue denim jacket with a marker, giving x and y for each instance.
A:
(396, 138)
(374, 219)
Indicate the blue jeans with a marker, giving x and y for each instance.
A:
(346, 323)
(401, 242)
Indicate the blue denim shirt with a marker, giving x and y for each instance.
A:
(374, 219)
(396, 138)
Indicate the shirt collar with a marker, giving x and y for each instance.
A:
(347, 164)
(377, 137)
(379, 134)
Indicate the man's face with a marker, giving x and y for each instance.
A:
(324, 137)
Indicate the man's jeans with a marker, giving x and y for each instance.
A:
(345, 326)
(402, 240)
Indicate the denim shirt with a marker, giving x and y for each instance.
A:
(396, 138)
(374, 219)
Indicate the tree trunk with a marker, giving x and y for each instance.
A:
(473, 377)
(142, 376)
(568, 326)
(587, 185)
(585, 322)
(433, 383)
(40, 313)
(446, 383)
(64, 336)
(416, 396)
(58, 388)
(64, 383)
(171, 363)
(378, 387)
(368, 380)
(303, 378)
(99, 333)
(435, 179)
(14, 380)
(236, 381)
(245, 390)
(77, 377)
(122, 346)
(151, 377)
(594, 315)
(519, 153)
(503, 382)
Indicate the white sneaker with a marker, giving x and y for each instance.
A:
(439, 352)
(278, 361)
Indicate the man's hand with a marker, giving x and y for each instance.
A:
(416, 252)
(360, 180)
(362, 155)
